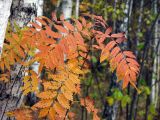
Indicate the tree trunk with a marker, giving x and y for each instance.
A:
(22, 12)
(127, 11)
(67, 8)
(155, 74)
(110, 112)
(40, 7)
(77, 9)
(5, 6)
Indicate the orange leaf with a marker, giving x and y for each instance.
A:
(35, 25)
(41, 21)
(78, 24)
(51, 33)
(117, 35)
(68, 25)
(60, 28)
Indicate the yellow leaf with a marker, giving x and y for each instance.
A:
(51, 85)
(26, 91)
(22, 114)
(59, 109)
(58, 77)
(2, 65)
(63, 101)
(67, 93)
(104, 57)
(77, 71)
(70, 85)
(47, 94)
(51, 114)
(74, 78)
(43, 112)
(44, 103)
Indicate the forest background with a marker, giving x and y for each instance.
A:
(139, 19)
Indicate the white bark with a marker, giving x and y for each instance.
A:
(127, 11)
(67, 8)
(25, 11)
(156, 66)
(5, 6)
(140, 16)
(40, 7)
(77, 9)
(22, 12)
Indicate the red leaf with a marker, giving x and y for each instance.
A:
(110, 45)
(83, 21)
(108, 31)
(117, 35)
(115, 51)
(126, 81)
(96, 46)
(46, 19)
(68, 25)
(60, 28)
(133, 61)
(41, 21)
(78, 24)
(129, 54)
(120, 40)
(35, 25)
(51, 33)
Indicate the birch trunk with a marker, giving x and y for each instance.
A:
(22, 12)
(127, 11)
(67, 8)
(40, 7)
(156, 67)
(77, 9)
(5, 6)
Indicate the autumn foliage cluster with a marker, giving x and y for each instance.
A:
(63, 51)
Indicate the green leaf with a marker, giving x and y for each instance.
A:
(140, 34)
(141, 113)
(118, 11)
(117, 94)
(94, 95)
(110, 101)
(94, 59)
(140, 46)
(147, 90)
(89, 81)
(150, 117)
(142, 81)
(152, 109)
(126, 99)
